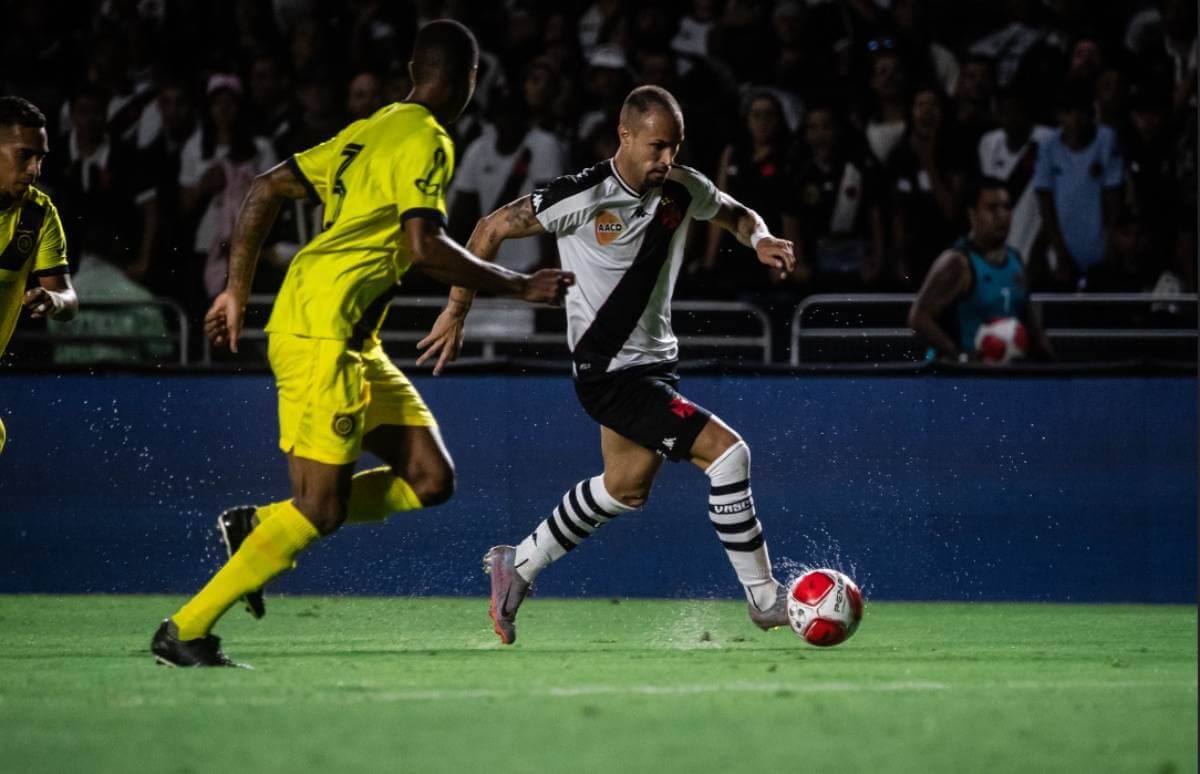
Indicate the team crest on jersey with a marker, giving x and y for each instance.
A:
(608, 227)
(343, 425)
(670, 214)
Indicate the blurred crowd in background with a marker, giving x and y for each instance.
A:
(852, 126)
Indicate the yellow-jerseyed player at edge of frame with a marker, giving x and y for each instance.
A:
(31, 233)
(383, 182)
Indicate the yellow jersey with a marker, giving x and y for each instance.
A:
(372, 177)
(31, 242)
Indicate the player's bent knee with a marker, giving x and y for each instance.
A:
(433, 486)
(714, 440)
(733, 462)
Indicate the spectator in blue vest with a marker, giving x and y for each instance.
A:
(977, 280)
(1078, 180)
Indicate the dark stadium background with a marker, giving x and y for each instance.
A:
(1066, 482)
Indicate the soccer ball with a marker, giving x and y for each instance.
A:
(824, 607)
(1001, 340)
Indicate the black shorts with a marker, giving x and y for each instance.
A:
(642, 404)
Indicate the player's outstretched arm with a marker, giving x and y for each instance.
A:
(749, 229)
(512, 221)
(223, 323)
(948, 279)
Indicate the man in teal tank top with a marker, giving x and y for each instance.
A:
(977, 280)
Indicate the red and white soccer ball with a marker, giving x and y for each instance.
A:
(1001, 340)
(824, 607)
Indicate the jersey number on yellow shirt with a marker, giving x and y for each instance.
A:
(435, 177)
(349, 153)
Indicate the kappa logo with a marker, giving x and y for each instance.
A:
(608, 228)
(668, 443)
(536, 199)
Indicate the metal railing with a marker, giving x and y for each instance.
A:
(866, 305)
(69, 337)
(841, 320)
(490, 338)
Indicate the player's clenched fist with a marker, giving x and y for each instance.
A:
(776, 253)
(547, 286)
(41, 303)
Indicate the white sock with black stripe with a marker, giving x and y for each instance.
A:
(731, 510)
(584, 509)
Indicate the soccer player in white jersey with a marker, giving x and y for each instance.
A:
(621, 227)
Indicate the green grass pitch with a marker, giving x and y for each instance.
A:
(421, 684)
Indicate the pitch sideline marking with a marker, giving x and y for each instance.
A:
(365, 693)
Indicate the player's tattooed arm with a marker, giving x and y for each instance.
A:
(223, 322)
(750, 229)
(520, 218)
(514, 220)
(256, 219)
(948, 279)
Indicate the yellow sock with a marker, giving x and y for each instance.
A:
(264, 512)
(376, 494)
(267, 551)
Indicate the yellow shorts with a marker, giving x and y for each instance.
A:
(331, 395)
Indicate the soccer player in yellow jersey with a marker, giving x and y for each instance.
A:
(31, 235)
(382, 181)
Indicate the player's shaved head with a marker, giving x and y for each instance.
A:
(445, 50)
(651, 131)
(645, 100)
(444, 62)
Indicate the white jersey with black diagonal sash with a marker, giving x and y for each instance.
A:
(625, 250)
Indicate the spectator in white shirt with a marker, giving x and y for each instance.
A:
(888, 117)
(507, 161)
(215, 169)
(1009, 153)
(1078, 179)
